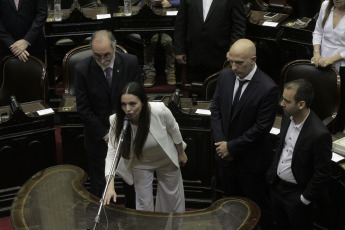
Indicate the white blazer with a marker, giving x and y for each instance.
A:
(163, 128)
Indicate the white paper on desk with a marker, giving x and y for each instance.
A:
(102, 16)
(336, 157)
(271, 24)
(275, 131)
(45, 111)
(203, 111)
(172, 13)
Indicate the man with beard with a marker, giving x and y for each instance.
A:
(300, 169)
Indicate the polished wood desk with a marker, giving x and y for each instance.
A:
(55, 199)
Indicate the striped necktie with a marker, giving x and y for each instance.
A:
(108, 75)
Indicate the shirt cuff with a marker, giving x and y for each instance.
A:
(304, 200)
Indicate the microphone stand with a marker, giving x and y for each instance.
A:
(111, 174)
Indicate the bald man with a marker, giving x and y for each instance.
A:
(242, 113)
(98, 81)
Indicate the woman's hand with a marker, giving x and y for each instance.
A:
(110, 194)
(182, 159)
(324, 62)
(315, 59)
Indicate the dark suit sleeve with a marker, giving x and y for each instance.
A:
(38, 23)
(5, 37)
(180, 32)
(91, 121)
(216, 115)
(238, 28)
(265, 116)
(137, 74)
(322, 153)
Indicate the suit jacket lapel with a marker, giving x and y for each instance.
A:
(301, 136)
(230, 94)
(13, 5)
(117, 68)
(98, 74)
(200, 10)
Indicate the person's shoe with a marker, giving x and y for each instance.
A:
(171, 79)
(149, 81)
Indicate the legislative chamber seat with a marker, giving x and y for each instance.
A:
(326, 84)
(202, 90)
(27, 133)
(27, 81)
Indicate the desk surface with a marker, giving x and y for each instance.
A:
(55, 199)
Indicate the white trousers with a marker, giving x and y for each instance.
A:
(170, 192)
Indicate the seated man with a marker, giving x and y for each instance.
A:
(150, 48)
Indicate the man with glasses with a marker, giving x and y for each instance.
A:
(98, 81)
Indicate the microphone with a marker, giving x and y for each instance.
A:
(125, 124)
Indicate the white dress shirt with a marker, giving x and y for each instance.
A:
(206, 4)
(332, 41)
(284, 170)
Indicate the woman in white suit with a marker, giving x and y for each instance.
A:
(153, 143)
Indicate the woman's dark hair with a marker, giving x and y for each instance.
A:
(135, 89)
(327, 12)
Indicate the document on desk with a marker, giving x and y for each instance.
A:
(271, 24)
(172, 13)
(203, 111)
(336, 157)
(275, 131)
(103, 16)
(45, 111)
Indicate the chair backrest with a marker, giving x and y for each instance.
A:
(71, 59)
(325, 81)
(210, 83)
(27, 81)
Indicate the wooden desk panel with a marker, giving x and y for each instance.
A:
(55, 199)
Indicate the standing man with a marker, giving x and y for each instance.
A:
(300, 169)
(98, 81)
(242, 114)
(204, 32)
(21, 28)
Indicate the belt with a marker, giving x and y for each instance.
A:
(285, 185)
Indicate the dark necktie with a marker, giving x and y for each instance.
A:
(238, 94)
(108, 75)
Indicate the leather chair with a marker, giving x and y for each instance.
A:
(326, 84)
(27, 81)
(279, 6)
(203, 90)
(71, 59)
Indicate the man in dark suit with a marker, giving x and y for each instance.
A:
(300, 169)
(204, 32)
(242, 114)
(99, 80)
(21, 28)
